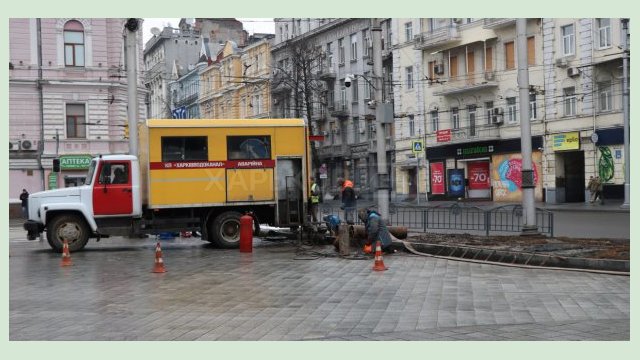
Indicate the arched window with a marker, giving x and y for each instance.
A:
(73, 43)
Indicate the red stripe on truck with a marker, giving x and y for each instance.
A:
(230, 164)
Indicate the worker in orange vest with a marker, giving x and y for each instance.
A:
(348, 199)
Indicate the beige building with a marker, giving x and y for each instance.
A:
(236, 84)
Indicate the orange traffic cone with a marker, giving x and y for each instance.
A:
(159, 264)
(378, 264)
(66, 257)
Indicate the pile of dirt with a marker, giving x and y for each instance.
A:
(558, 246)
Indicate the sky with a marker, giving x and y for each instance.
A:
(251, 25)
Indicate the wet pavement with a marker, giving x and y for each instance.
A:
(285, 291)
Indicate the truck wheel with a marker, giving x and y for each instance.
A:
(225, 231)
(70, 227)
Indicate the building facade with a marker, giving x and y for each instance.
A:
(584, 96)
(172, 53)
(236, 85)
(312, 58)
(464, 105)
(67, 98)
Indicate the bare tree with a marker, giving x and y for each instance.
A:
(297, 73)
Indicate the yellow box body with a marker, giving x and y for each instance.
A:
(217, 180)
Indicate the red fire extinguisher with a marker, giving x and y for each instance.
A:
(246, 233)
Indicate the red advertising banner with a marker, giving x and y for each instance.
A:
(437, 178)
(443, 135)
(478, 174)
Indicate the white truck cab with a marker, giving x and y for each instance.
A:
(112, 189)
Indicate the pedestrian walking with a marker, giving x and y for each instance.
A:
(599, 187)
(24, 198)
(592, 186)
(314, 200)
(348, 199)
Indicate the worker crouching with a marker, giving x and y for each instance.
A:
(376, 229)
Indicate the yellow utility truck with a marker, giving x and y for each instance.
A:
(189, 175)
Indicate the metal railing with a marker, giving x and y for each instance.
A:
(456, 217)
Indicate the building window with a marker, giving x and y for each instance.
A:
(409, 74)
(604, 96)
(471, 110)
(356, 129)
(257, 105)
(367, 87)
(511, 110)
(329, 56)
(569, 101)
(412, 126)
(184, 148)
(340, 52)
(371, 129)
(354, 90)
(568, 40)
(453, 66)
(604, 33)
(365, 43)
(408, 31)
(533, 107)
(509, 56)
(488, 62)
(434, 120)
(531, 50)
(455, 118)
(343, 99)
(488, 106)
(354, 47)
(73, 44)
(76, 123)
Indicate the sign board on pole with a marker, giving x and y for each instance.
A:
(417, 146)
(323, 171)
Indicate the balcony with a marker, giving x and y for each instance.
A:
(467, 83)
(437, 38)
(326, 72)
(340, 109)
(498, 23)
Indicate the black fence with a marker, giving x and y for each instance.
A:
(460, 217)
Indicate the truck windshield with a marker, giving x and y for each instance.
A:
(92, 169)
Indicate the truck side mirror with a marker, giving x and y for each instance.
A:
(56, 165)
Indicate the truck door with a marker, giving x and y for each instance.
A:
(112, 194)
(290, 198)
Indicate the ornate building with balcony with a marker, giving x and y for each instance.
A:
(458, 93)
(311, 60)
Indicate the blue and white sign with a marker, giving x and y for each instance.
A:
(179, 113)
(417, 146)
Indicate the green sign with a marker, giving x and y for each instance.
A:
(75, 162)
(53, 181)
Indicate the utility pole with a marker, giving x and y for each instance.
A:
(625, 110)
(131, 28)
(529, 226)
(381, 113)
